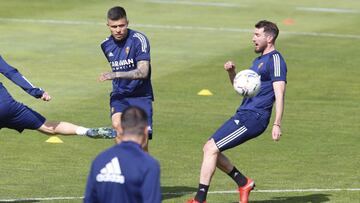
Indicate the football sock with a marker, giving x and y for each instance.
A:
(201, 193)
(239, 178)
(81, 130)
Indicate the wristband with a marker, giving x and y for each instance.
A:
(277, 125)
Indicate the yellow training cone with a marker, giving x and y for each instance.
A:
(205, 92)
(54, 139)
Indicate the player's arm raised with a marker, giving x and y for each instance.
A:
(141, 72)
(279, 90)
(229, 66)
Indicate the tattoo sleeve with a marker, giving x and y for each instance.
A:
(140, 72)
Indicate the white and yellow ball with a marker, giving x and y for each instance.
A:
(247, 83)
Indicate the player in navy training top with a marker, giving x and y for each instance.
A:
(125, 173)
(17, 116)
(253, 115)
(128, 53)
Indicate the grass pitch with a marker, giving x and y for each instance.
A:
(55, 44)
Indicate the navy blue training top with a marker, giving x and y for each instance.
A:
(124, 173)
(123, 56)
(271, 67)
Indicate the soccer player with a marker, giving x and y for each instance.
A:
(125, 173)
(128, 53)
(253, 115)
(17, 116)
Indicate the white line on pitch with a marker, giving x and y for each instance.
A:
(40, 199)
(175, 27)
(193, 3)
(50, 21)
(328, 10)
(272, 191)
(179, 27)
(294, 190)
(211, 192)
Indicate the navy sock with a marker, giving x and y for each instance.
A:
(239, 178)
(201, 193)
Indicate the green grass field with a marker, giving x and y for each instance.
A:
(55, 44)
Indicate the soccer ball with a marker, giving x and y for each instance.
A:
(247, 83)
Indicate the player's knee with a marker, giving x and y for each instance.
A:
(49, 127)
(210, 147)
(47, 130)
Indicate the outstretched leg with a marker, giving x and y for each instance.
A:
(66, 128)
(63, 128)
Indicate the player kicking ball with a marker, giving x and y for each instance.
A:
(17, 116)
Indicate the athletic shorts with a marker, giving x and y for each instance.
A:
(120, 104)
(17, 116)
(243, 126)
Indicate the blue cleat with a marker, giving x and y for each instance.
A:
(105, 133)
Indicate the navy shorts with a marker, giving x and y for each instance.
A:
(118, 104)
(243, 126)
(17, 116)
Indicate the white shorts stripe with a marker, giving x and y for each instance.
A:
(231, 137)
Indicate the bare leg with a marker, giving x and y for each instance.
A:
(116, 122)
(55, 127)
(209, 162)
(224, 164)
(146, 146)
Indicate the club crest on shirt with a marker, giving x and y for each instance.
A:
(260, 65)
(127, 50)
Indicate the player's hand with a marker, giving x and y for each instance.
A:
(106, 76)
(46, 97)
(229, 66)
(276, 133)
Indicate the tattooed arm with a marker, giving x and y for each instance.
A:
(140, 72)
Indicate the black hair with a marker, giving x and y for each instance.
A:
(269, 28)
(133, 121)
(116, 13)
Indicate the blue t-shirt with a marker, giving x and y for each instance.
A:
(13, 75)
(271, 67)
(124, 173)
(123, 56)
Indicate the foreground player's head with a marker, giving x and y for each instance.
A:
(265, 35)
(134, 124)
(117, 22)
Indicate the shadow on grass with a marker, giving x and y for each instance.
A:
(169, 192)
(314, 198)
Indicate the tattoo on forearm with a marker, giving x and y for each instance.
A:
(140, 72)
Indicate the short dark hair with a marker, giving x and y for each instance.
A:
(133, 121)
(116, 13)
(269, 28)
